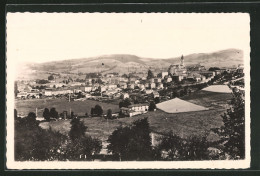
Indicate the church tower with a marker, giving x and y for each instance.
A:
(182, 60)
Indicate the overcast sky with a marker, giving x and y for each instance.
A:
(42, 37)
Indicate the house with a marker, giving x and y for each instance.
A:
(123, 85)
(147, 85)
(164, 74)
(156, 94)
(131, 86)
(159, 86)
(240, 69)
(178, 77)
(87, 89)
(102, 88)
(21, 95)
(134, 109)
(125, 95)
(141, 86)
(112, 86)
(152, 85)
(168, 79)
(157, 80)
(148, 91)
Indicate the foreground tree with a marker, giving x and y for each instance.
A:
(54, 113)
(46, 114)
(232, 133)
(109, 114)
(80, 146)
(152, 106)
(34, 143)
(132, 143)
(77, 129)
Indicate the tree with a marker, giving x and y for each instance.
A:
(171, 144)
(150, 74)
(157, 100)
(125, 103)
(54, 113)
(152, 106)
(194, 148)
(92, 112)
(214, 68)
(132, 143)
(109, 114)
(46, 114)
(77, 129)
(34, 143)
(51, 77)
(232, 133)
(98, 110)
(80, 146)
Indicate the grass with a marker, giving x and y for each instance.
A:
(182, 124)
(78, 107)
(208, 99)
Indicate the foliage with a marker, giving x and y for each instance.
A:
(109, 114)
(42, 81)
(34, 143)
(46, 114)
(51, 77)
(232, 133)
(177, 148)
(54, 113)
(92, 75)
(98, 110)
(80, 146)
(214, 68)
(132, 143)
(125, 103)
(83, 148)
(77, 130)
(152, 106)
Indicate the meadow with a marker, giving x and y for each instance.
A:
(182, 124)
(78, 107)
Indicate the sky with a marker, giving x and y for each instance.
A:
(43, 37)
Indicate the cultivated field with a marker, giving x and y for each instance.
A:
(78, 107)
(182, 124)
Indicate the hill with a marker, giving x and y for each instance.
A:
(124, 63)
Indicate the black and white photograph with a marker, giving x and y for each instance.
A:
(128, 90)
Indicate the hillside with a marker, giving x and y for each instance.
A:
(123, 63)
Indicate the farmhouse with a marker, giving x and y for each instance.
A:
(134, 109)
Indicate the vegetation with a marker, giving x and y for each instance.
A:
(125, 103)
(152, 106)
(36, 144)
(46, 114)
(42, 81)
(232, 133)
(51, 77)
(96, 111)
(132, 143)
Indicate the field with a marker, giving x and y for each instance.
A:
(78, 107)
(182, 124)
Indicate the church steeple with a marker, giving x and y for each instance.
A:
(182, 60)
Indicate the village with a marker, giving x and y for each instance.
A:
(139, 91)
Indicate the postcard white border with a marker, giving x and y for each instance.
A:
(220, 164)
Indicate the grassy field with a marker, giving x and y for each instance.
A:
(78, 107)
(209, 99)
(182, 124)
